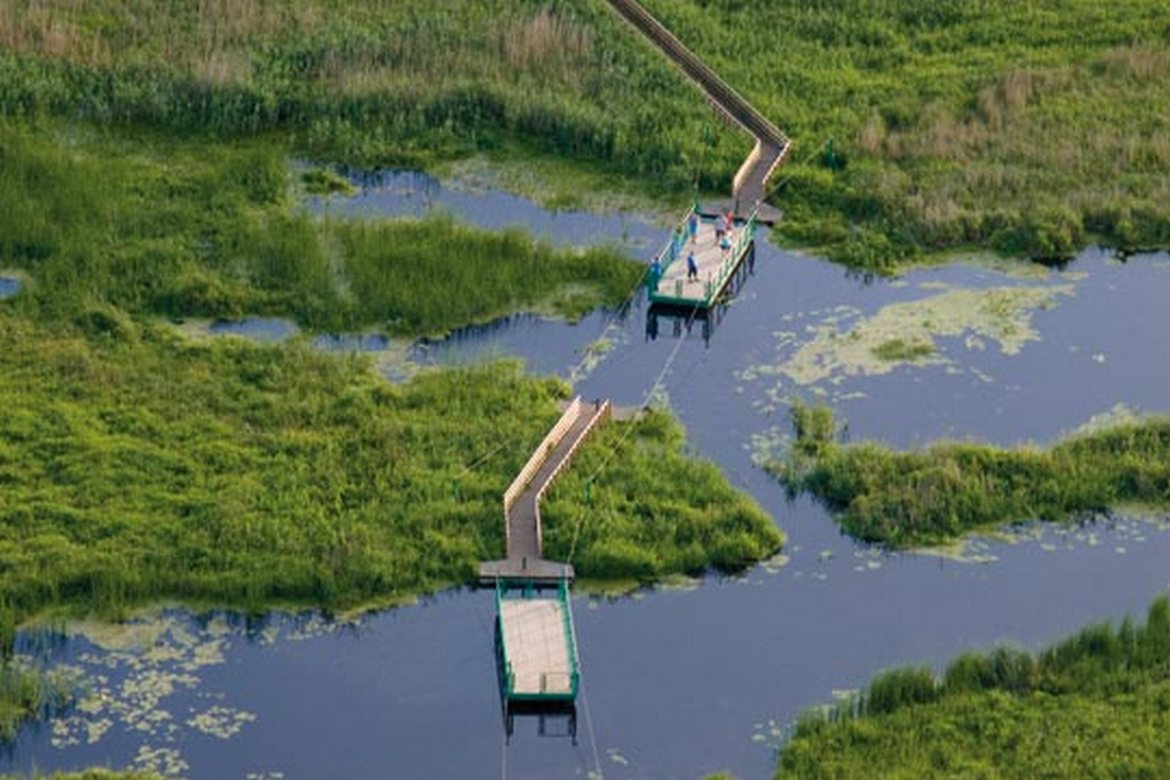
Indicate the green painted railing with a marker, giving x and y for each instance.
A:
(671, 251)
(570, 637)
(505, 664)
(746, 236)
(521, 589)
(714, 284)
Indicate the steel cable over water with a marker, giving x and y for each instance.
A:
(629, 428)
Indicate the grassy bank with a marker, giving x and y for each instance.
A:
(660, 511)
(1032, 128)
(1093, 706)
(400, 84)
(138, 465)
(1028, 127)
(179, 228)
(933, 495)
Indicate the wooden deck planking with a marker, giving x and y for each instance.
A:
(673, 285)
(708, 256)
(535, 641)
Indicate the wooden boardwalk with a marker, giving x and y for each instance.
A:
(772, 146)
(537, 649)
(523, 532)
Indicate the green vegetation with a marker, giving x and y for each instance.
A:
(139, 465)
(660, 512)
(898, 351)
(321, 181)
(28, 692)
(176, 228)
(1094, 706)
(399, 84)
(906, 499)
(1028, 127)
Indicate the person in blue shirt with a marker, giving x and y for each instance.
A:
(692, 268)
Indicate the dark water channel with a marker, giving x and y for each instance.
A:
(683, 681)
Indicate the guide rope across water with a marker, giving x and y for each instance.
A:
(535, 638)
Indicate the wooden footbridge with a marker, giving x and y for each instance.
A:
(772, 146)
(695, 268)
(536, 646)
(535, 640)
(522, 529)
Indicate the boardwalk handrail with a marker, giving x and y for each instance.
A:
(753, 158)
(672, 249)
(505, 664)
(536, 460)
(752, 176)
(719, 90)
(570, 636)
(547, 444)
(602, 412)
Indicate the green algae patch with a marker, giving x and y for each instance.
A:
(146, 678)
(559, 185)
(906, 332)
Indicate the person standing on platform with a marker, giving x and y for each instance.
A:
(720, 227)
(692, 268)
(693, 226)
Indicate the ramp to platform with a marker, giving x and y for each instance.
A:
(522, 528)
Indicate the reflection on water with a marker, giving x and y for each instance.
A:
(262, 329)
(681, 682)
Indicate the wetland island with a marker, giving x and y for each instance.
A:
(592, 388)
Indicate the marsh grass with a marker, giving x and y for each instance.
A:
(929, 496)
(202, 229)
(28, 692)
(662, 511)
(138, 465)
(1031, 128)
(1091, 705)
(407, 83)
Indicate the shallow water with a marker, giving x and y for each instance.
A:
(683, 681)
(9, 286)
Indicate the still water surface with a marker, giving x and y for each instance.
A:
(679, 682)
